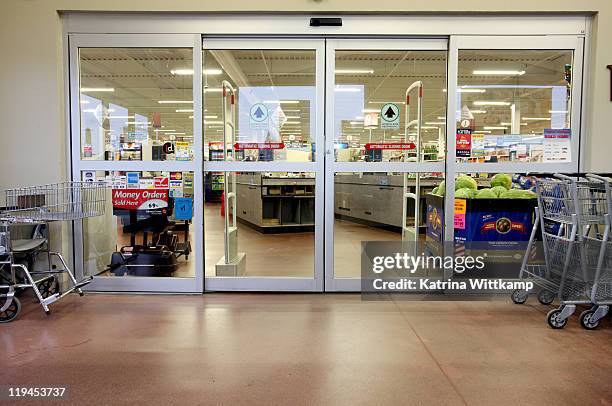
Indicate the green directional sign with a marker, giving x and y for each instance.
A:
(390, 117)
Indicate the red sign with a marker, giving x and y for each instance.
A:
(464, 142)
(176, 175)
(140, 199)
(259, 145)
(390, 146)
(156, 119)
(161, 182)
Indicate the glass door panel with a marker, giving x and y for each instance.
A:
(262, 124)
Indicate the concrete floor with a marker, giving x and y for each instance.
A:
(278, 349)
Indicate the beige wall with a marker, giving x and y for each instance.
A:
(32, 125)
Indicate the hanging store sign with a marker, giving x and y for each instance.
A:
(140, 199)
(464, 142)
(390, 146)
(259, 145)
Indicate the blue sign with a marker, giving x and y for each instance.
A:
(183, 208)
(133, 178)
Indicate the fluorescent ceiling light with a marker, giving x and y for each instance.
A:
(481, 132)
(212, 71)
(175, 133)
(292, 110)
(346, 89)
(536, 118)
(370, 111)
(292, 117)
(478, 111)
(495, 128)
(84, 101)
(282, 101)
(384, 102)
(356, 123)
(441, 118)
(212, 122)
(353, 71)
(499, 72)
(425, 127)
(359, 118)
(138, 122)
(182, 72)
(467, 90)
(184, 110)
(97, 89)
(524, 124)
(175, 101)
(293, 122)
(505, 123)
(190, 116)
(551, 111)
(435, 123)
(95, 110)
(212, 116)
(124, 117)
(163, 131)
(491, 103)
(212, 90)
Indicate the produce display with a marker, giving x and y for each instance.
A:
(501, 188)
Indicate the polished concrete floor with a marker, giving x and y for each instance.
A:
(281, 349)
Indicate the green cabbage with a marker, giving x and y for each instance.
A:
(441, 188)
(502, 179)
(465, 193)
(517, 194)
(498, 190)
(435, 190)
(486, 194)
(464, 181)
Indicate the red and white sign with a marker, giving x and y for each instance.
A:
(161, 182)
(259, 145)
(140, 199)
(390, 146)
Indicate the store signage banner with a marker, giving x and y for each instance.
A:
(557, 144)
(390, 146)
(259, 145)
(464, 142)
(140, 199)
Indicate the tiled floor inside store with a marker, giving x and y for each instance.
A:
(304, 349)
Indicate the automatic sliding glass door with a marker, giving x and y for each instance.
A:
(263, 169)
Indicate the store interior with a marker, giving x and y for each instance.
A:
(137, 105)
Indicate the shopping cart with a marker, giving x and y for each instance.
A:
(67, 201)
(573, 216)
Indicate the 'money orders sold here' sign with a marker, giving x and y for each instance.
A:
(140, 199)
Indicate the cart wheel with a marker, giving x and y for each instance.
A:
(554, 320)
(49, 287)
(519, 296)
(546, 297)
(586, 320)
(11, 312)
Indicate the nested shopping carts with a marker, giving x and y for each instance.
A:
(34, 205)
(574, 218)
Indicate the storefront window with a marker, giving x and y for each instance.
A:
(374, 120)
(514, 106)
(274, 110)
(136, 104)
(147, 227)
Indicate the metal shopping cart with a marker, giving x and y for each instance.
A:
(67, 201)
(572, 214)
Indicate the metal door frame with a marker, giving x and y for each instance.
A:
(139, 284)
(333, 284)
(279, 283)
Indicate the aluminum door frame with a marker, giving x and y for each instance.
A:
(279, 283)
(139, 284)
(331, 167)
